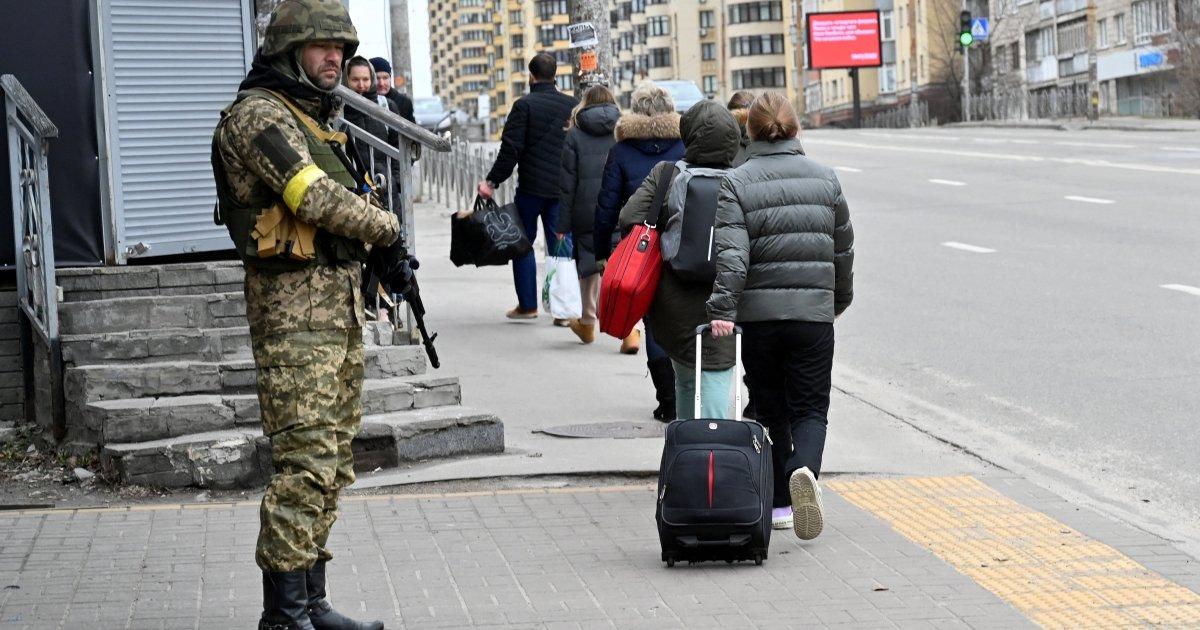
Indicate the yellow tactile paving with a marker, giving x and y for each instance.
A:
(1050, 572)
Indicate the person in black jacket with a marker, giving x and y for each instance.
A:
(532, 143)
(383, 87)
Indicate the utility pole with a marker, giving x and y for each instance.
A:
(965, 40)
(401, 52)
(1093, 86)
(593, 64)
(914, 108)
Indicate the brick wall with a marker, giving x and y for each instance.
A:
(12, 395)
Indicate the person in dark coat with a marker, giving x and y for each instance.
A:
(589, 137)
(785, 259)
(710, 135)
(532, 143)
(646, 136)
(385, 88)
(360, 77)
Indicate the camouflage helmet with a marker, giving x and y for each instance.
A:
(297, 22)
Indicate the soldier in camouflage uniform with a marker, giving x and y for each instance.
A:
(301, 225)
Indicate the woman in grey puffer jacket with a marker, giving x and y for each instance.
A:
(589, 137)
(785, 256)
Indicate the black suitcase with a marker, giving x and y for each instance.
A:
(715, 485)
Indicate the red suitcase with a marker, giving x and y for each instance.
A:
(632, 274)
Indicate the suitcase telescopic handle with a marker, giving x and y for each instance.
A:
(737, 366)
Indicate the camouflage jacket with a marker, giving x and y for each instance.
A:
(264, 152)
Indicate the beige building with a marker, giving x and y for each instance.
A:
(482, 47)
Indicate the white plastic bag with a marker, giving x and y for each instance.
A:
(560, 291)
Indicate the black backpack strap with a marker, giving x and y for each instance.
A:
(665, 177)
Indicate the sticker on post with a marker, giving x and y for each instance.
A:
(582, 35)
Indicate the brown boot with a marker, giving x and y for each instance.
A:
(520, 313)
(585, 332)
(632, 343)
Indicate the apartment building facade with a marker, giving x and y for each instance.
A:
(1042, 48)
(482, 47)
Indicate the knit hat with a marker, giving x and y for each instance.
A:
(381, 65)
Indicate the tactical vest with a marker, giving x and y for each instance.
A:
(240, 218)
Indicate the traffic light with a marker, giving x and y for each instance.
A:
(965, 37)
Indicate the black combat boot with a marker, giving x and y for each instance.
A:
(323, 616)
(663, 376)
(285, 601)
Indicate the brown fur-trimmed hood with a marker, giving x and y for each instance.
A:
(641, 127)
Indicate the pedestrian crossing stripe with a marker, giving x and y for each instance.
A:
(1053, 574)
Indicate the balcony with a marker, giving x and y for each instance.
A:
(1063, 7)
(1073, 65)
(1045, 70)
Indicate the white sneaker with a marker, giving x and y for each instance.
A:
(781, 518)
(807, 512)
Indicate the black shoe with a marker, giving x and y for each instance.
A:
(322, 614)
(663, 376)
(285, 601)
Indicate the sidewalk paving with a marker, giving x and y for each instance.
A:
(919, 534)
(1106, 123)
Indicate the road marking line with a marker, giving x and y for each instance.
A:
(1184, 149)
(1089, 200)
(947, 182)
(1130, 166)
(848, 169)
(1096, 145)
(1181, 287)
(1051, 573)
(969, 248)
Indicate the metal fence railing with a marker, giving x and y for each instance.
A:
(1052, 103)
(899, 117)
(29, 135)
(451, 178)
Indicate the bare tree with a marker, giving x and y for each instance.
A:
(1187, 69)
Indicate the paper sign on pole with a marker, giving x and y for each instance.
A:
(587, 61)
(582, 35)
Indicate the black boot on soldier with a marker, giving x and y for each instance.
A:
(663, 375)
(323, 616)
(285, 601)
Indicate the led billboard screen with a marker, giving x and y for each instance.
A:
(844, 39)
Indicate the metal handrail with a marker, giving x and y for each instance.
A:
(412, 131)
(29, 134)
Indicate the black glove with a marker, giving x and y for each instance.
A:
(392, 265)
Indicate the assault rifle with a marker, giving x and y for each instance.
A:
(411, 292)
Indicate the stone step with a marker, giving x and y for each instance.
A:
(231, 375)
(181, 344)
(149, 419)
(212, 310)
(240, 458)
(164, 344)
(102, 283)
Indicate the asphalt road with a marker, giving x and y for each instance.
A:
(1034, 297)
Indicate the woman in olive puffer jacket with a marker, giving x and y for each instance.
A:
(785, 254)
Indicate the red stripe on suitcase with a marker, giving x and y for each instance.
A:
(712, 475)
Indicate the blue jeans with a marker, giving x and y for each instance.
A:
(714, 392)
(530, 207)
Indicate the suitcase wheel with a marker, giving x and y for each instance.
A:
(670, 561)
(758, 559)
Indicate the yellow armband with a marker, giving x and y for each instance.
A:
(293, 193)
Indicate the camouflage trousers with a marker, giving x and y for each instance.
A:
(310, 393)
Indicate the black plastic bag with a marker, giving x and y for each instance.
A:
(491, 235)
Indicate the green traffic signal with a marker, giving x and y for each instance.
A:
(965, 38)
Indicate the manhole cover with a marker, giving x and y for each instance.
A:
(613, 430)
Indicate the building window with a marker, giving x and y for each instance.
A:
(547, 9)
(710, 84)
(1071, 37)
(638, 6)
(639, 34)
(659, 26)
(1102, 33)
(550, 33)
(516, 17)
(921, 68)
(756, 45)
(707, 19)
(565, 82)
(886, 29)
(887, 78)
(518, 41)
(708, 52)
(1119, 27)
(756, 12)
(518, 66)
(1150, 18)
(759, 78)
(660, 57)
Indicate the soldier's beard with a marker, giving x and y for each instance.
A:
(319, 82)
